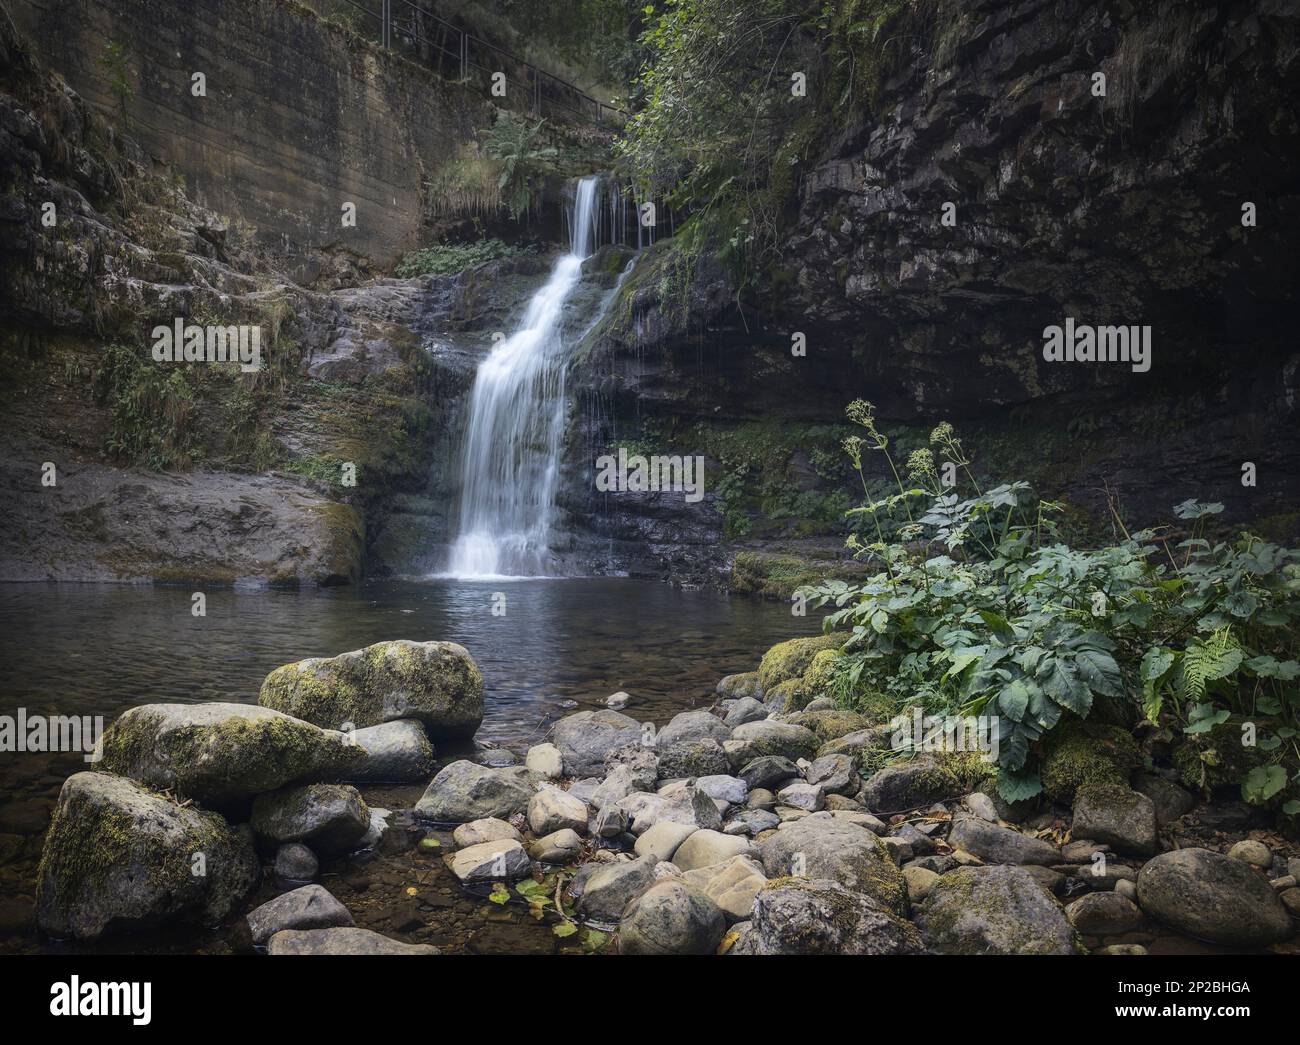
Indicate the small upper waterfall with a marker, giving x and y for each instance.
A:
(515, 428)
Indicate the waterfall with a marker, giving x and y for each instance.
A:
(515, 429)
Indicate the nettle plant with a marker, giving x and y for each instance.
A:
(980, 609)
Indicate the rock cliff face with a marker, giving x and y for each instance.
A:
(1117, 209)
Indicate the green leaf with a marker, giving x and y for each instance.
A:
(1262, 783)
(563, 929)
(1016, 787)
(998, 625)
(1013, 701)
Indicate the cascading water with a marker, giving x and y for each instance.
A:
(515, 428)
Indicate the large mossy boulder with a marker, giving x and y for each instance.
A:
(1083, 754)
(994, 910)
(223, 753)
(435, 683)
(788, 660)
(119, 857)
(1212, 897)
(795, 694)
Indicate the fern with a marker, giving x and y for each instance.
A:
(1206, 662)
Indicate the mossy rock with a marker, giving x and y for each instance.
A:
(994, 910)
(1216, 758)
(1087, 754)
(790, 659)
(119, 857)
(436, 683)
(222, 753)
(830, 725)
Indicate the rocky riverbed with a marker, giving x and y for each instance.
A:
(324, 820)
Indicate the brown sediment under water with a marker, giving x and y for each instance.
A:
(559, 646)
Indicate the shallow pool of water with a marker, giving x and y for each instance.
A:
(99, 649)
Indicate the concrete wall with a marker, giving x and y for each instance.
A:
(299, 116)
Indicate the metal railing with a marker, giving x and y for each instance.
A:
(456, 53)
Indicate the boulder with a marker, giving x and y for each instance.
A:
(585, 738)
(608, 889)
(767, 771)
(994, 910)
(545, 760)
(756, 739)
(119, 857)
(311, 907)
(488, 829)
(723, 788)
(691, 758)
(559, 847)
(789, 660)
(909, 785)
(820, 916)
(692, 725)
(751, 822)
(395, 752)
(463, 791)
(703, 848)
(829, 723)
(874, 738)
(330, 818)
(739, 686)
(1171, 801)
(822, 846)
(731, 884)
(1116, 816)
(746, 709)
(503, 859)
(1103, 914)
(836, 774)
(1212, 897)
(223, 753)
(802, 795)
(671, 917)
(436, 683)
(663, 839)
(995, 844)
(551, 809)
(294, 862)
(346, 940)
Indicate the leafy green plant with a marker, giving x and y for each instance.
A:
(980, 608)
(153, 410)
(515, 143)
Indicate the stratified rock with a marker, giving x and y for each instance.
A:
(731, 884)
(1001, 845)
(821, 846)
(1212, 897)
(463, 791)
(223, 753)
(585, 738)
(1117, 816)
(488, 861)
(436, 683)
(819, 916)
(671, 917)
(310, 907)
(341, 941)
(118, 857)
(994, 910)
(395, 752)
(331, 818)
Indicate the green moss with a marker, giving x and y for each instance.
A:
(789, 660)
(1216, 758)
(1086, 754)
(830, 725)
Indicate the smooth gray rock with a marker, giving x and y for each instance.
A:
(330, 818)
(488, 829)
(692, 725)
(835, 774)
(1103, 914)
(341, 941)
(464, 791)
(663, 839)
(545, 760)
(703, 848)
(559, 847)
(1123, 819)
(503, 859)
(311, 907)
(607, 891)
(723, 788)
(294, 862)
(585, 738)
(1000, 845)
(551, 809)
(746, 709)
(395, 752)
(802, 795)
(671, 917)
(1212, 897)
